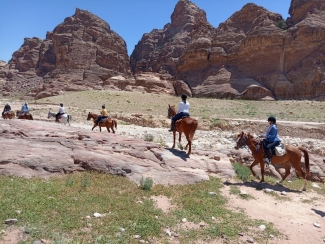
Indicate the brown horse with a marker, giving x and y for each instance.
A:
(187, 125)
(9, 115)
(108, 123)
(292, 156)
(21, 115)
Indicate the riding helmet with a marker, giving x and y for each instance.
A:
(61, 104)
(103, 106)
(272, 118)
(184, 97)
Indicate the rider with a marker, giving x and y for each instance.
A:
(183, 110)
(271, 139)
(61, 111)
(7, 108)
(104, 114)
(25, 108)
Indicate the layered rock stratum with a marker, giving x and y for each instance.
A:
(255, 54)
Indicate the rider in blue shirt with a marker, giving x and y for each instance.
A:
(25, 108)
(271, 139)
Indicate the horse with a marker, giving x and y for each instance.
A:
(9, 115)
(292, 157)
(22, 115)
(187, 125)
(64, 118)
(108, 122)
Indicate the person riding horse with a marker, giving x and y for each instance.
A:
(61, 112)
(24, 108)
(271, 139)
(182, 111)
(104, 115)
(6, 109)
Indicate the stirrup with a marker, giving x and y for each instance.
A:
(266, 160)
(171, 130)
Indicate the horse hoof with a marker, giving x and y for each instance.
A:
(257, 177)
(304, 189)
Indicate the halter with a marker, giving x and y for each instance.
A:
(243, 142)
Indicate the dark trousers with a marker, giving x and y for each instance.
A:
(268, 146)
(100, 118)
(57, 116)
(177, 117)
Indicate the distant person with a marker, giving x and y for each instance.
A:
(271, 139)
(25, 108)
(183, 110)
(61, 112)
(6, 109)
(104, 115)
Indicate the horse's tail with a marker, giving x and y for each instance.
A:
(193, 129)
(31, 117)
(115, 123)
(306, 159)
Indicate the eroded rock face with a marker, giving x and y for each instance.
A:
(42, 149)
(80, 53)
(248, 56)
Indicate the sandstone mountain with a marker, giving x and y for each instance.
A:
(255, 54)
(248, 56)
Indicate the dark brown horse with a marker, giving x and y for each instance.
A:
(187, 125)
(108, 123)
(21, 115)
(9, 115)
(292, 156)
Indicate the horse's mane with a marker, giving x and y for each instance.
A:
(254, 140)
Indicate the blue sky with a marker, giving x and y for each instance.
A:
(129, 18)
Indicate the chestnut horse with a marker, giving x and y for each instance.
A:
(9, 115)
(187, 125)
(21, 115)
(108, 122)
(292, 156)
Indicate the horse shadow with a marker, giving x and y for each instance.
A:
(260, 186)
(178, 153)
(319, 212)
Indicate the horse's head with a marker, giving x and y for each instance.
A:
(241, 140)
(171, 111)
(89, 116)
(49, 115)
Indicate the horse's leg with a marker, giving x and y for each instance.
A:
(300, 172)
(112, 127)
(180, 140)
(94, 127)
(174, 138)
(262, 171)
(287, 169)
(251, 168)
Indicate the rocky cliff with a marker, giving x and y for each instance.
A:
(81, 53)
(252, 55)
(255, 54)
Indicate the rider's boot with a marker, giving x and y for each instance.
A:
(172, 126)
(269, 156)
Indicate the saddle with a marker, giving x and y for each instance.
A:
(279, 150)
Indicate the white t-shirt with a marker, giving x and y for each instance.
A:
(61, 110)
(183, 107)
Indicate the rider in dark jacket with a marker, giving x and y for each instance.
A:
(7, 108)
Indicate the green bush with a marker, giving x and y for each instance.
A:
(148, 137)
(146, 183)
(281, 24)
(242, 171)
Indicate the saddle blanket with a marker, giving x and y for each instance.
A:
(280, 150)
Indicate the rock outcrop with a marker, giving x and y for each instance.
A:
(255, 54)
(42, 149)
(252, 55)
(81, 53)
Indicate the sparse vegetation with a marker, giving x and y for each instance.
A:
(281, 24)
(242, 171)
(60, 215)
(146, 183)
(148, 137)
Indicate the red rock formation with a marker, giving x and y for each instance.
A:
(79, 54)
(248, 56)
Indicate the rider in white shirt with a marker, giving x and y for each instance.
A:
(183, 110)
(61, 111)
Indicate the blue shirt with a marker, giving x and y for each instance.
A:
(272, 133)
(25, 108)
